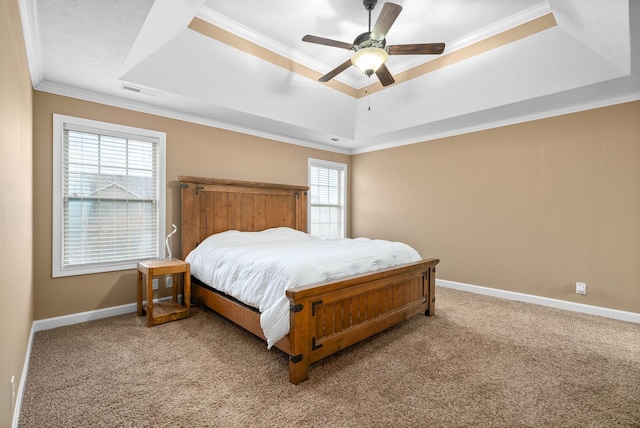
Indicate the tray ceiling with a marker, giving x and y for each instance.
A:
(243, 66)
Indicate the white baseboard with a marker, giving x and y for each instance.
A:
(544, 301)
(78, 318)
(23, 380)
(97, 314)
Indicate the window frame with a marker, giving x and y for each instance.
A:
(109, 129)
(342, 167)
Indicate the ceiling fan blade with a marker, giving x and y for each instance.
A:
(417, 49)
(333, 73)
(385, 76)
(327, 42)
(390, 12)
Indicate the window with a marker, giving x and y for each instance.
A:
(108, 196)
(327, 190)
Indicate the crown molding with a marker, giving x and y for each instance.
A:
(113, 101)
(29, 18)
(634, 96)
(68, 91)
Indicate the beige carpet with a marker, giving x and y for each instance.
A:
(480, 361)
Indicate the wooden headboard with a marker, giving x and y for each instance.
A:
(211, 205)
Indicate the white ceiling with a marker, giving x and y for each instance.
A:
(89, 48)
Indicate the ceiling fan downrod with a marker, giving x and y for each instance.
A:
(369, 5)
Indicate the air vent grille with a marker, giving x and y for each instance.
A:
(131, 88)
(143, 91)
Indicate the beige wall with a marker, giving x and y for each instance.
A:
(192, 149)
(16, 244)
(530, 208)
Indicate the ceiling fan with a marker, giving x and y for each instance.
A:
(371, 50)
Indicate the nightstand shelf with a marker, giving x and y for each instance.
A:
(166, 310)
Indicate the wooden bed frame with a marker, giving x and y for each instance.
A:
(326, 317)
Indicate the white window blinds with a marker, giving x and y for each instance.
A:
(327, 188)
(111, 198)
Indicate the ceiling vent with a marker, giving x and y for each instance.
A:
(138, 90)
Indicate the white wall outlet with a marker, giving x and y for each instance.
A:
(581, 288)
(13, 392)
(155, 283)
(169, 281)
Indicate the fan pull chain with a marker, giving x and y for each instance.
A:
(366, 91)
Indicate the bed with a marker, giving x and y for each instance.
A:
(324, 317)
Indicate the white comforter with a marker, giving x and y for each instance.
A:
(257, 267)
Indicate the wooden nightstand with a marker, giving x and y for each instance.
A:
(166, 310)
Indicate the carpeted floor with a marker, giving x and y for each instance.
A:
(481, 361)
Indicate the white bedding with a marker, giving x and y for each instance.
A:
(257, 267)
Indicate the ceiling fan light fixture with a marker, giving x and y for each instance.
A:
(369, 60)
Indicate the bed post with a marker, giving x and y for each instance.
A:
(299, 342)
(431, 296)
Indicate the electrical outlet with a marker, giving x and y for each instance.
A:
(155, 283)
(581, 288)
(169, 281)
(13, 391)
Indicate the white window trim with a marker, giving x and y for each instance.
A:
(335, 165)
(58, 216)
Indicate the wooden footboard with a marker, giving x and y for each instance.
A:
(326, 318)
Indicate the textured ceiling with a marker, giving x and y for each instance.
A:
(242, 65)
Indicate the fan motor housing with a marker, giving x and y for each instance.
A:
(364, 40)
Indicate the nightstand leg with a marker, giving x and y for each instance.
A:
(139, 294)
(174, 290)
(149, 299)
